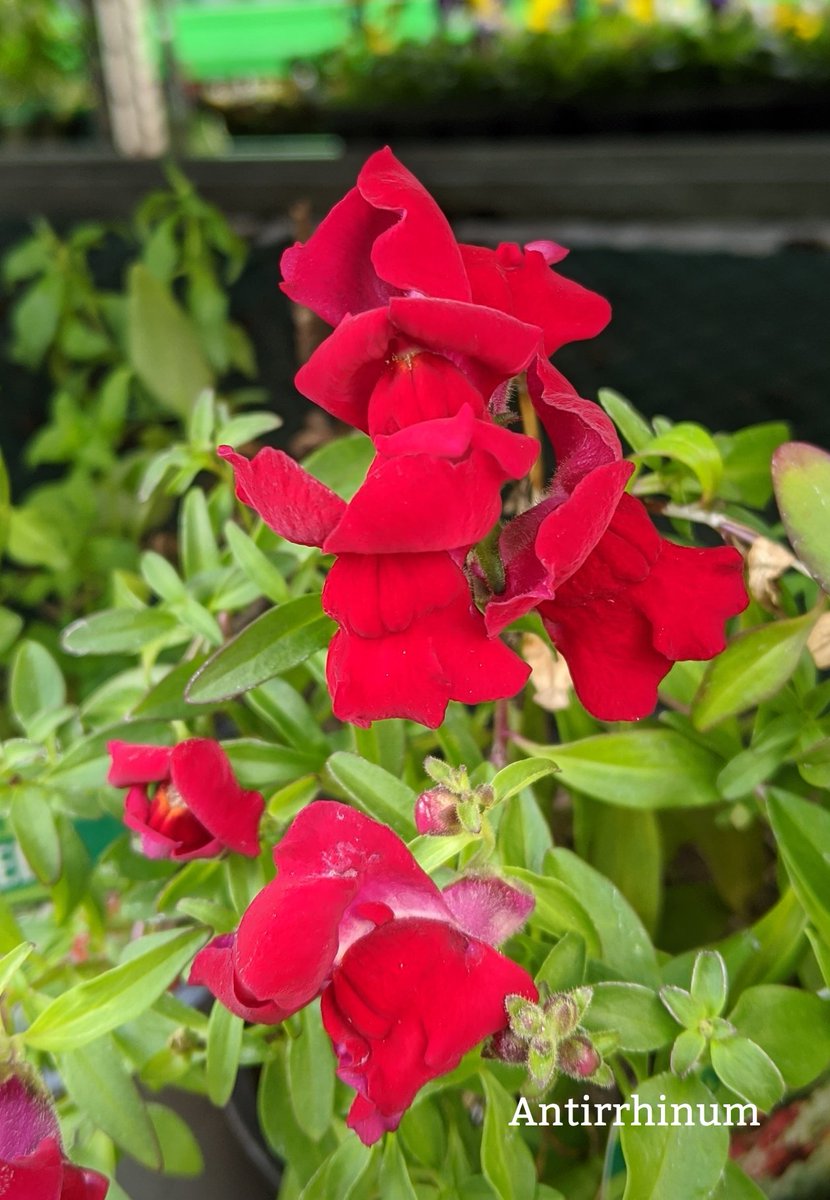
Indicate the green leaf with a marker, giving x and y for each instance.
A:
(505, 1158)
(117, 631)
(632, 1011)
(33, 541)
(342, 464)
(693, 446)
(273, 643)
(36, 684)
(283, 708)
(37, 834)
(559, 910)
(11, 963)
(278, 1123)
(634, 427)
(564, 967)
(734, 1185)
(802, 831)
(379, 793)
(687, 1051)
(801, 478)
(626, 947)
(224, 1043)
(709, 983)
(311, 1070)
(35, 319)
(625, 845)
(164, 347)
(754, 666)
(255, 564)
(96, 1006)
(180, 1152)
(341, 1173)
(638, 768)
(11, 624)
(246, 427)
(748, 1070)
(515, 777)
(395, 1183)
(198, 545)
(103, 1089)
(673, 1161)
(746, 457)
(682, 1005)
(432, 852)
(791, 1025)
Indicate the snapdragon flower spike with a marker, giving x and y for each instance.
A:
(184, 801)
(619, 602)
(409, 976)
(32, 1163)
(410, 638)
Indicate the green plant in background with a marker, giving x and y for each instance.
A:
(43, 63)
(680, 939)
(126, 368)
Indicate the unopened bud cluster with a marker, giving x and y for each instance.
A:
(453, 805)
(548, 1037)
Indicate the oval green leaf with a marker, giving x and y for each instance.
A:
(801, 479)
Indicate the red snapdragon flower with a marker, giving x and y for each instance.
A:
(184, 801)
(410, 637)
(620, 602)
(409, 976)
(32, 1162)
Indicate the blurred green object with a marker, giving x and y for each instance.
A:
(247, 40)
(43, 70)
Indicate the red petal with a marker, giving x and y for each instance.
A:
(689, 596)
(37, 1176)
(404, 1006)
(343, 370)
(295, 504)
(385, 235)
(420, 386)
(581, 434)
(608, 647)
(82, 1184)
(377, 594)
(489, 345)
(433, 486)
(202, 774)
(213, 968)
(521, 283)
(132, 763)
(331, 858)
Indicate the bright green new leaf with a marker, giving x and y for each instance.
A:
(748, 1070)
(395, 1183)
(379, 793)
(198, 545)
(709, 983)
(791, 1025)
(11, 963)
(180, 1152)
(665, 1162)
(801, 478)
(96, 1006)
(754, 666)
(634, 427)
(505, 1157)
(103, 1089)
(693, 446)
(164, 347)
(432, 852)
(515, 777)
(747, 455)
(224, 1043)
(802, 831)
(638, 768)
(273, 643)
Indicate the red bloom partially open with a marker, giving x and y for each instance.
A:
(32, 1162)
(184, 801)
(409, 977)
(619, 601)
(410, 637)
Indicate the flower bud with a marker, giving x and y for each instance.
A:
(506, 1046)
(578, 1058)
(436, 812)
(526, 1019)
